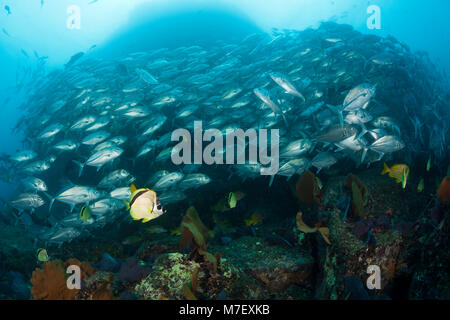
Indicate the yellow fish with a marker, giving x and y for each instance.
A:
(144, 204)
(429, 164)
(232, 200)
(420, 186)
(85, 213)
(404, 178)
(397, 171)
(42, 255)
(254, 219)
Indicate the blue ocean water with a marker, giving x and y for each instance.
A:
(349, 84)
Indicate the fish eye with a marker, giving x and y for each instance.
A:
(159, 207)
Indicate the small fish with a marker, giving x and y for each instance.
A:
(396, 172)
(234, 197)
(85, 213)
(232, 200)
(255, 219)
(144, 204)
(74, 58)
(8, 9)
(429, 164)
(420, 186)
(404, 177)
(42, 255)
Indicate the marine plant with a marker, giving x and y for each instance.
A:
(443, 193)
(359, 194)
(195, 232)
(307, 188)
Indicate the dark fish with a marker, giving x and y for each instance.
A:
(74, 58)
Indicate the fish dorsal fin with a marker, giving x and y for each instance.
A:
(132, 188)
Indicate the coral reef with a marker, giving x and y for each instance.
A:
(172, 273)
(49, 283)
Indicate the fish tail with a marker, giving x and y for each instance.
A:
(364, 156)
(285, 121)
(341, 118)
(81, 165)
(385, 169)
(363, 130)
(271, 180)
(51, 201)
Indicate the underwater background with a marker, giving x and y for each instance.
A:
(92, 90)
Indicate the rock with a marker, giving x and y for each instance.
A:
(132, 271)
(276, 267)
(225, 240)
(109, 264)
(18, 285)
(354, 289)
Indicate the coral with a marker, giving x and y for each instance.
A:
(49, 283)
(97, 287)
(276, 268)
(307, 188)
(443, 193)
(173, 272)
(86, 268)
